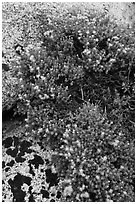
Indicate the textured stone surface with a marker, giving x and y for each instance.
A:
(124, 12)
(27, 177)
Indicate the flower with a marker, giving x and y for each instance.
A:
(31, 69)
(49, 20)
(87, 51)
(112, 60)
(94, 32)
(49, 32)
(32, 58)
(115, 143)
(46, 96)
(85, 195)
(115, 38)
(104, 158)
(87, 32)
(68, 191)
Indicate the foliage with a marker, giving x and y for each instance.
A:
(105, 75)
(95, 154)
(77, 89)
(9, 94)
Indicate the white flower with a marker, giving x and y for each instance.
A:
(25, 187)
(118, 50)
(87, 43)
(52, 89)
(43, 78)
(71, 149)
(97, 177)
(67, 148)
(98, 150)
(67, 155)
(121, 167)
(38, 76)
(49, 21)
(68, 191)
(85, 195)
(108, 39)
(78, 143)
(87, 51)
(36, 87)
(72, 164)
(19, 73)
(21, 79)
(124, 51)
(97, 62)
(94, 32)
(32, 58)
(87, 32)
(53, 169)
(104, 158)
(110, 191)
(110, 44)
(94, 19)
(48, 32)
(33, 131)
(66, 141)
(108, 200)
(40, 130)
(94, 49)
(30, 46)
(31, 69)
(20, 96)
(67, 181)
(81, 171)
(46, 96)
(115, 38)
(115, 143)
(120, 133)
(47, 130)
(52, 95)
(112, 60)
(40, 96)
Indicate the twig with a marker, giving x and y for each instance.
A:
(82, 94)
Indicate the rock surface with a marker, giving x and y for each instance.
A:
(27, 176)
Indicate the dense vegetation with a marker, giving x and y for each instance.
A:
(77, 89)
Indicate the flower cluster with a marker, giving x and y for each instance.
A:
(96, 149)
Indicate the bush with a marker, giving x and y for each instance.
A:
(53, 71)
(80, 60)
(94, 158)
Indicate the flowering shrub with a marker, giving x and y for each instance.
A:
(57, 71)
(80, 59)
(94, 154)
